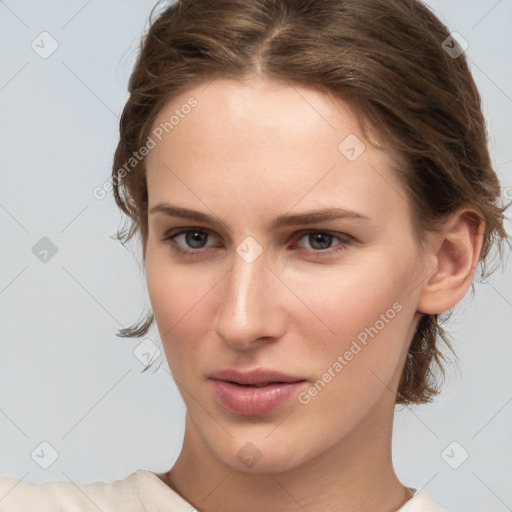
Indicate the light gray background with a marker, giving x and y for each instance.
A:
(67, 380)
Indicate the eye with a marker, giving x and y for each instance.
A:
(193, 242)
(322, 242)
(194, 238)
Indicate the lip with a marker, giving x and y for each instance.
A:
(255, 376)
(233, 389)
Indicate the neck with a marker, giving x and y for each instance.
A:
(356, 474)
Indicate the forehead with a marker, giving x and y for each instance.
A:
(262, 140)
(261, 106)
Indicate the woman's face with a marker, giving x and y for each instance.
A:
(300, 258)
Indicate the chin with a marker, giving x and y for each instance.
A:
(261, 455)
(276, 463)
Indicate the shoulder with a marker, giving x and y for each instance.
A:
(421, 502)
(17, 495)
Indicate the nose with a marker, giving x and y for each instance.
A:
(250, 308)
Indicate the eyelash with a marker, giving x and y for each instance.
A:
(169, 239)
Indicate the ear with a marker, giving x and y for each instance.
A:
(455, 252)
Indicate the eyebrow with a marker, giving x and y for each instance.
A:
(310, 217)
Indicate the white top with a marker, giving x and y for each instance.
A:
(141, 491)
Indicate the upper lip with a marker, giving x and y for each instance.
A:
(255, 376)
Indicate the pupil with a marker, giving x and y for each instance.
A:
(318, 238)
(195, 239)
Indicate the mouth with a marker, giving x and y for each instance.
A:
(255, 376)
(253, 392)
(260, 385)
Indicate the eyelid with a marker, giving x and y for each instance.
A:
(174, 232)
(336, 234)
(179, 230)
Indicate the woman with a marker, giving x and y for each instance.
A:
(312, 187)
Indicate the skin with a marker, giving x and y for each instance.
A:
(246, 154)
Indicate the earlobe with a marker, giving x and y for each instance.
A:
(456, 252)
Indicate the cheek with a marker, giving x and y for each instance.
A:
(352, 374)
(179, 299)
(171, 291)
(340, 302)
(356, 337)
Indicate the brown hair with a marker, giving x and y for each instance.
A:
(387, 58)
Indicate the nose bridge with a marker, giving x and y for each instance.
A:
(244, 294)
(248, 299)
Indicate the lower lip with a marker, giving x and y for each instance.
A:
(250, 400)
